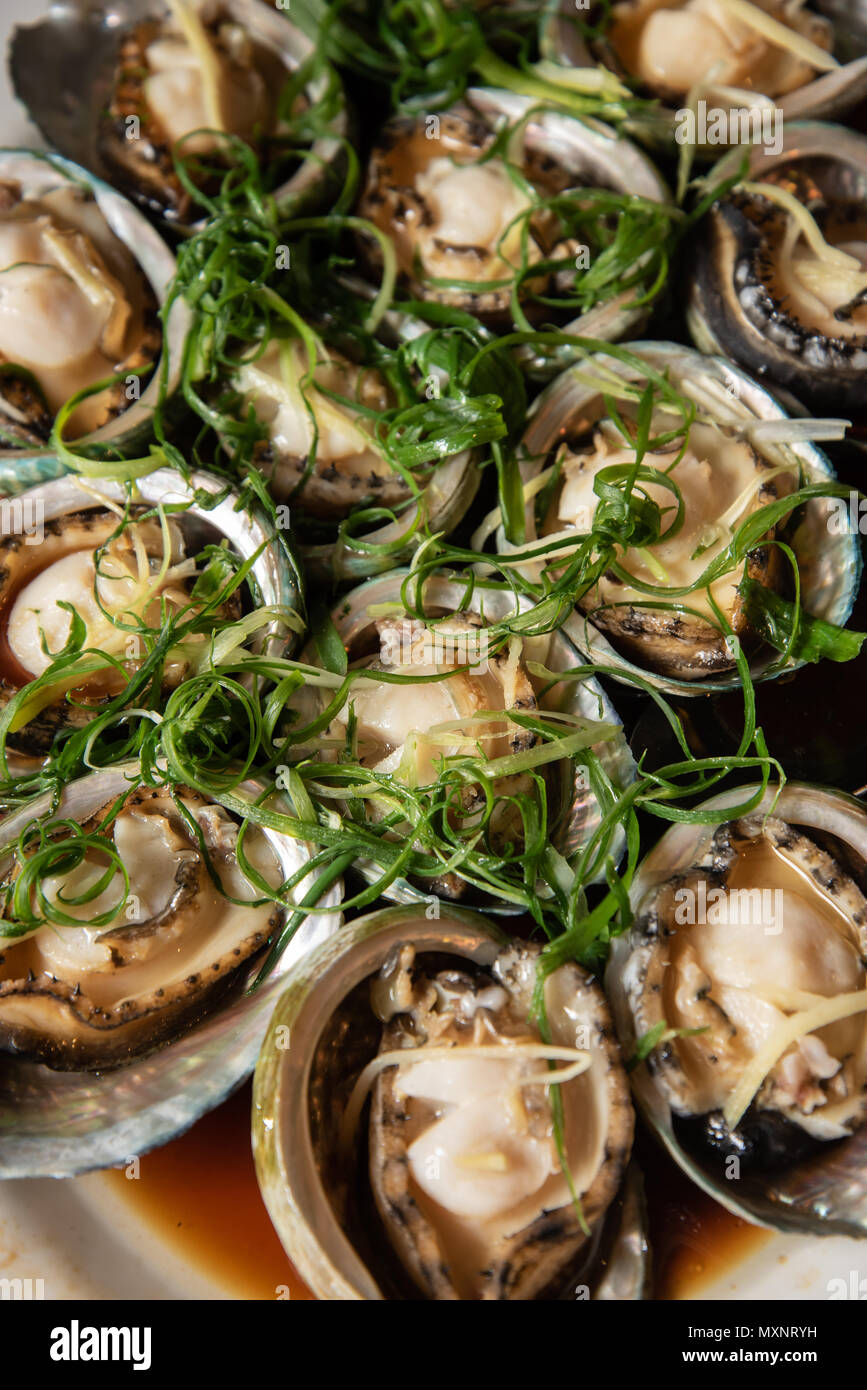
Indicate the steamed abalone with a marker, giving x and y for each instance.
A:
(742, 982)
(325, 453)
(452, 1184)
(454, 215)
(474, 225)
(75, 310)
(412, 733)
(459, 701)
(92, 975)
(196, 76)
(779, 281)
(464, 1164)
(783, 938)
(321, 452)
(670, 47)
(155, 978)
(741, 453)
(150, 579)
(722, 479)
(753, 63)
(396, 725)
(120, 580)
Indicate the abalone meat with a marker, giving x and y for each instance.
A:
(430, 705)
(464, 1179)
(84, 284)
(140, 84)
(321, 453)
(476, 221)
(121, 571)
(741, 989)
(124, 939)
(778, 280)
(137, 991)
(745, 58)
(75, 310)
(650, 612)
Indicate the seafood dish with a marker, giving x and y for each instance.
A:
(432, 441)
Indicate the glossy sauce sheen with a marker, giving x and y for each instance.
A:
(694, 1241)
(199, 1194)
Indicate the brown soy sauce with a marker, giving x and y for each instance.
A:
(199, 1194)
